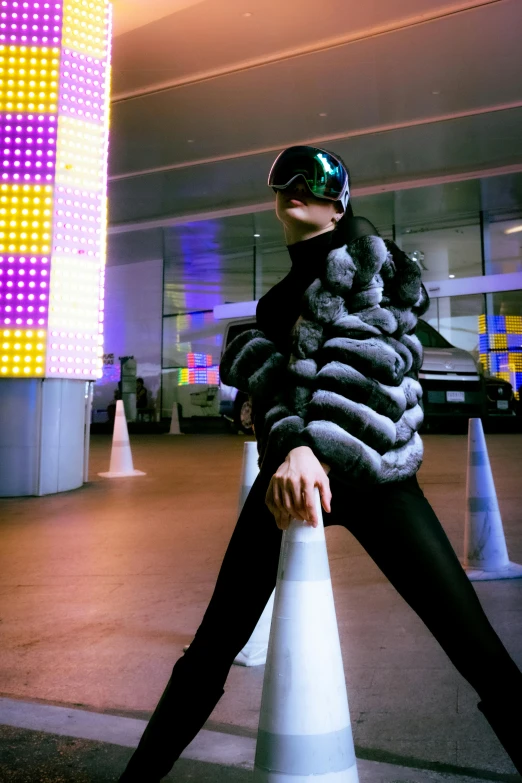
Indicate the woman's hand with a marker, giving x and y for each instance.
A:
(291, 491)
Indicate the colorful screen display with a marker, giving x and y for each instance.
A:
(500, 345)
(54, 125)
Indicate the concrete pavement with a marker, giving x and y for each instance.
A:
(101, 588)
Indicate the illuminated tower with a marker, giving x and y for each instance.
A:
(54, 119)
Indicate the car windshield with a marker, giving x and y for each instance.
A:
(235, 329)
(429, 337)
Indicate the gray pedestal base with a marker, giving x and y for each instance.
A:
(44, 435)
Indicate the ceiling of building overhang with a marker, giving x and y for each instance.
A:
(408, 93)
(131, 14)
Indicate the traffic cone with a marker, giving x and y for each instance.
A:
(304, 727)
(255, 650)
(485, 552)
(174, 422)
(121, 456)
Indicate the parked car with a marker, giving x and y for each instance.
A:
(453, 384)
(235, 405)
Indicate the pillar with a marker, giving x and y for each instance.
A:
(54, 118)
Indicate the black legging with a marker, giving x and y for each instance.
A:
(399, 530)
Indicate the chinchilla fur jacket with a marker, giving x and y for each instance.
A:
(347, 386)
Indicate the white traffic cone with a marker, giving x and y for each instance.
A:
(121, 456)
(485, 552)
(174, 422)
(304, 732)
(254, 651)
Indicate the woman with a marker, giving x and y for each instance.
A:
(332, 373)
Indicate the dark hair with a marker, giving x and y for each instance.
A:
(350, 227)
(139, 380)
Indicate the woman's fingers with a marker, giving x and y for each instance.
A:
(297, 508)
(308, 493)
(293, 497)
(325, 493)
(279, 503)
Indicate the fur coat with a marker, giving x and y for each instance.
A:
(348, 387)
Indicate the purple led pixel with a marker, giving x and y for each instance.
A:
(24, 22)
(82, 82)
(24, 290)
(77, 222)
(28, 152)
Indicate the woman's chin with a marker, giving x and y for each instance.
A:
(296, 215)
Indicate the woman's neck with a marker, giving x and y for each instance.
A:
(309, 255)
(299, 234)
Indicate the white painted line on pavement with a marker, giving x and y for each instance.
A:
(210, 746)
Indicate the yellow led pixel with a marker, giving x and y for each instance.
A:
(25, 218)
(85, 25)
(498, 342)
(22, 352)
(29, 78)
(80, 158)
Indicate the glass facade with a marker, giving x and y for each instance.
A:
(462, 234)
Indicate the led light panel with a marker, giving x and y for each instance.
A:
(24, 283)
(500, 346)
(29, 78)
(83, 86)
(29, 147)
(199, 360)
(31, 23)
(22, 352)
(25, 218)
(209, 376)
(54, 118)
(80, 157)
(85, 27)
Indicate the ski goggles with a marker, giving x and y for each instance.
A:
(324, 174)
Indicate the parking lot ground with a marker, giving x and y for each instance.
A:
(100, 589)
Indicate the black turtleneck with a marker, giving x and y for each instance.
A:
(279, 309)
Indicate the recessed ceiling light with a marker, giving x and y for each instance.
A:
(190, 141)
(397, 161)
(257, 235)
(451, 276)
(323, 114)
(513, 230)
(247, 14)
(435, 92)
